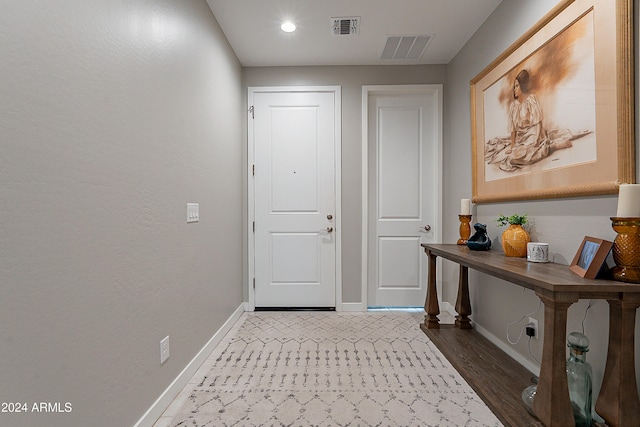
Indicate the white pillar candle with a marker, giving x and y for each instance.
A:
(465, 207)
(629, 201)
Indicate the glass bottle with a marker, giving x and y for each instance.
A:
(528, 394)
(579, 379)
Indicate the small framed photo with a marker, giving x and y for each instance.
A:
(590, 257)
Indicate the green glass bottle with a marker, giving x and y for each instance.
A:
(579, 379)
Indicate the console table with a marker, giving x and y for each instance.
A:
(558, 288)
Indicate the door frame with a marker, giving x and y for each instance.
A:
(374, 90)
(337, 97)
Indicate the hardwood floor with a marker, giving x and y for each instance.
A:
(497, 378)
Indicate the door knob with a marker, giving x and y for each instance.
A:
(329, 229)
(329, 217)
(425, 228)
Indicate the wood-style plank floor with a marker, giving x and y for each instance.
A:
(497, 378)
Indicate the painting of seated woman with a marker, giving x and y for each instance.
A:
(541, 114)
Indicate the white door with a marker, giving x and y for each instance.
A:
(295, 136)
(404, 138)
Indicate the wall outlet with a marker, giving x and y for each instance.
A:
(533, 323)
(164, 349)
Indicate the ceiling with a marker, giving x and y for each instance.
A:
(253, 29)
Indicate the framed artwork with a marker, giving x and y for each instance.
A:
(553, 116)
(590, 257)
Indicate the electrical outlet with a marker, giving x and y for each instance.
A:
(534, 324)
(164, 349)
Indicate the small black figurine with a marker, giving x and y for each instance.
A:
(480, 241)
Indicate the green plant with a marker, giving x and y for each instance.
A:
(513, 219)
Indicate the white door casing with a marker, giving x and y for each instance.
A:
(402, 197)
(294, 165)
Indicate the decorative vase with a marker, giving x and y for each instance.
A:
(528, 394)
(514, 241)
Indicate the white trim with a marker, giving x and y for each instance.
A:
(251, 214)
(447, 307)
(353, 306)
(368, 91)
(337, 91)
(162, 403)
(530, 366)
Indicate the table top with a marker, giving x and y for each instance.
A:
(548, 276)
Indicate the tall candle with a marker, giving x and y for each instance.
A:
(629, 201)
(465, 207)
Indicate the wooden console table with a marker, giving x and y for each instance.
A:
(558, 288)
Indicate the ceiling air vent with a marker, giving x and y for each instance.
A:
(345, 26)
(405, 47)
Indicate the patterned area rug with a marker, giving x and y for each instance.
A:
(330, 369)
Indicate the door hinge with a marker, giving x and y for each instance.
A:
(254, 283)
(254, 226)
(253, 170)
(252, 112)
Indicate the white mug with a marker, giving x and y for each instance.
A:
(537, 252)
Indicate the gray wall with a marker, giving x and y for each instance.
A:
(351, 79)
(563, 223)
(114, 115)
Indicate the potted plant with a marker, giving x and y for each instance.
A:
(515, 237)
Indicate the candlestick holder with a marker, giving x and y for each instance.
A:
(626, 249)
(465, 229)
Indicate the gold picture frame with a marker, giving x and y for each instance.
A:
(590, 257)
(569, 131)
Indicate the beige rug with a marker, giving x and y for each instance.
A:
(330, 369)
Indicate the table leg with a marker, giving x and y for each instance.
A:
(431, 303)
(551, 404)
(463, 305)
(618, 400)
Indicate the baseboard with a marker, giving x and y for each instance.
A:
(445, 306)
(165, 399)
(352, 306)
(507, 349)
(533, 368)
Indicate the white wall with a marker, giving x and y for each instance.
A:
(113, 115)
(563, 223)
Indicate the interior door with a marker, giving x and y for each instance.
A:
(403, 152)
(294, 136)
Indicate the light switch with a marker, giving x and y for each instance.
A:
(193, 212)
(164, 349)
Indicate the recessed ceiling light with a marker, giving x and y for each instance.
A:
(288, 27)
